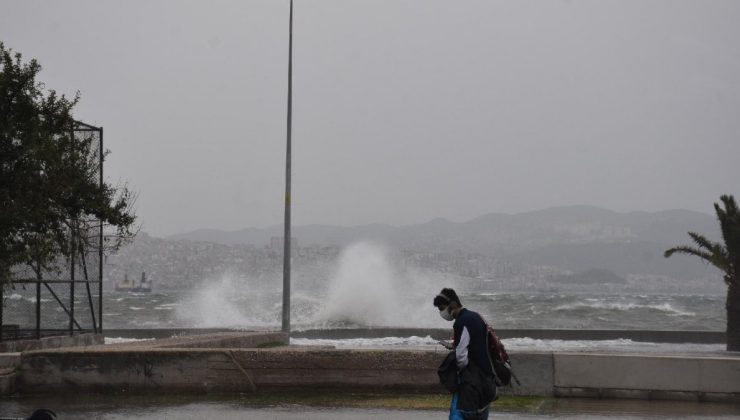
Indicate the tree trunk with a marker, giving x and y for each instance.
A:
(733, 316)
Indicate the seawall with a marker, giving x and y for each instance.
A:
(244, 362)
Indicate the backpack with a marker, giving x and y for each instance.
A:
(499, 358)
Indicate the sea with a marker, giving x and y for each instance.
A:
(215, 309)
(221, 308)
(358, 297)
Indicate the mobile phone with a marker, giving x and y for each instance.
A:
(445, 344)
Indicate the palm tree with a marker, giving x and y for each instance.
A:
(725, 257)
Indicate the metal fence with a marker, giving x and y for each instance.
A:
(68, 301)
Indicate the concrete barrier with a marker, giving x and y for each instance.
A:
(535, 373)
(647, 376)
(204, 370)
(195, 364)
(51, 342)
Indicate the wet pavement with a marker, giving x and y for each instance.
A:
(192, 408)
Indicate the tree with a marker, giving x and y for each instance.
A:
(49, 189)
(726, 257)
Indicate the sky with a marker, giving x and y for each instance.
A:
(403, 110)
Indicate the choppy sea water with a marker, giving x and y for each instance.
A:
(244, 309)
(503, 310)
(227, 306)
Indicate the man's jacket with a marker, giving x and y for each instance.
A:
(476, 389)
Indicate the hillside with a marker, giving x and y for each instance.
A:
(572, 238)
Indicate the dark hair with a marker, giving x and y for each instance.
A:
(446, 297)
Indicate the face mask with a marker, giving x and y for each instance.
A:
(446, 315)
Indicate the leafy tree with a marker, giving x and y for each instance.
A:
(726, 257)
(50, 192)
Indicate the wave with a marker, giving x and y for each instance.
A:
(16, 296)
(384, 342)
(630, 306)
(119, 340)
(518, 344)
(167, 306)
(616, 345)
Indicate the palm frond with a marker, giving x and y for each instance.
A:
(718, 250)
(729, 220)
(685, 249)
(705, 255)
(705, 243)
(730, 204)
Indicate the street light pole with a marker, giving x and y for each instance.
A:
(286, 238)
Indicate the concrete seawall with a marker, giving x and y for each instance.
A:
(224, 363)
(50, 342)
(647, 377)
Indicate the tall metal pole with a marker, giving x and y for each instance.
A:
(286, 238)
(100, 243)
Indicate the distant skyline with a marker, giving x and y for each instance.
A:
(404, 110)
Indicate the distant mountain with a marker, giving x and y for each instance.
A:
(493, 232)
(306, 235)
(575, 238)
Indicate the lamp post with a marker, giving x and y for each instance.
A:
(286, 238)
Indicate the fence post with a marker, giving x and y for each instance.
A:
(38, 301)
(2, 305)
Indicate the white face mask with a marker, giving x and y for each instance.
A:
(446, 315)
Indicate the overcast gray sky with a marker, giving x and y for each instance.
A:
(404, 110)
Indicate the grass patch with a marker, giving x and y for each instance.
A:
(388, 400)
(270, 344)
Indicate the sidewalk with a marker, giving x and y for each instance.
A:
(123, 408)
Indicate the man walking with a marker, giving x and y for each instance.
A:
(476, 387)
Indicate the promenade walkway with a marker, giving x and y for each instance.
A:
(126, 408)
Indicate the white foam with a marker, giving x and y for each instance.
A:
(617, 345)
(16, 296)
(118, 340)
(620, 306)
(520, 344)
(384, 342)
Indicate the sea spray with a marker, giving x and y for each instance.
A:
(369, 286)
(361, 291)
(231, 301)
(367, 290)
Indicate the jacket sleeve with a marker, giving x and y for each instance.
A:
(461, 349)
